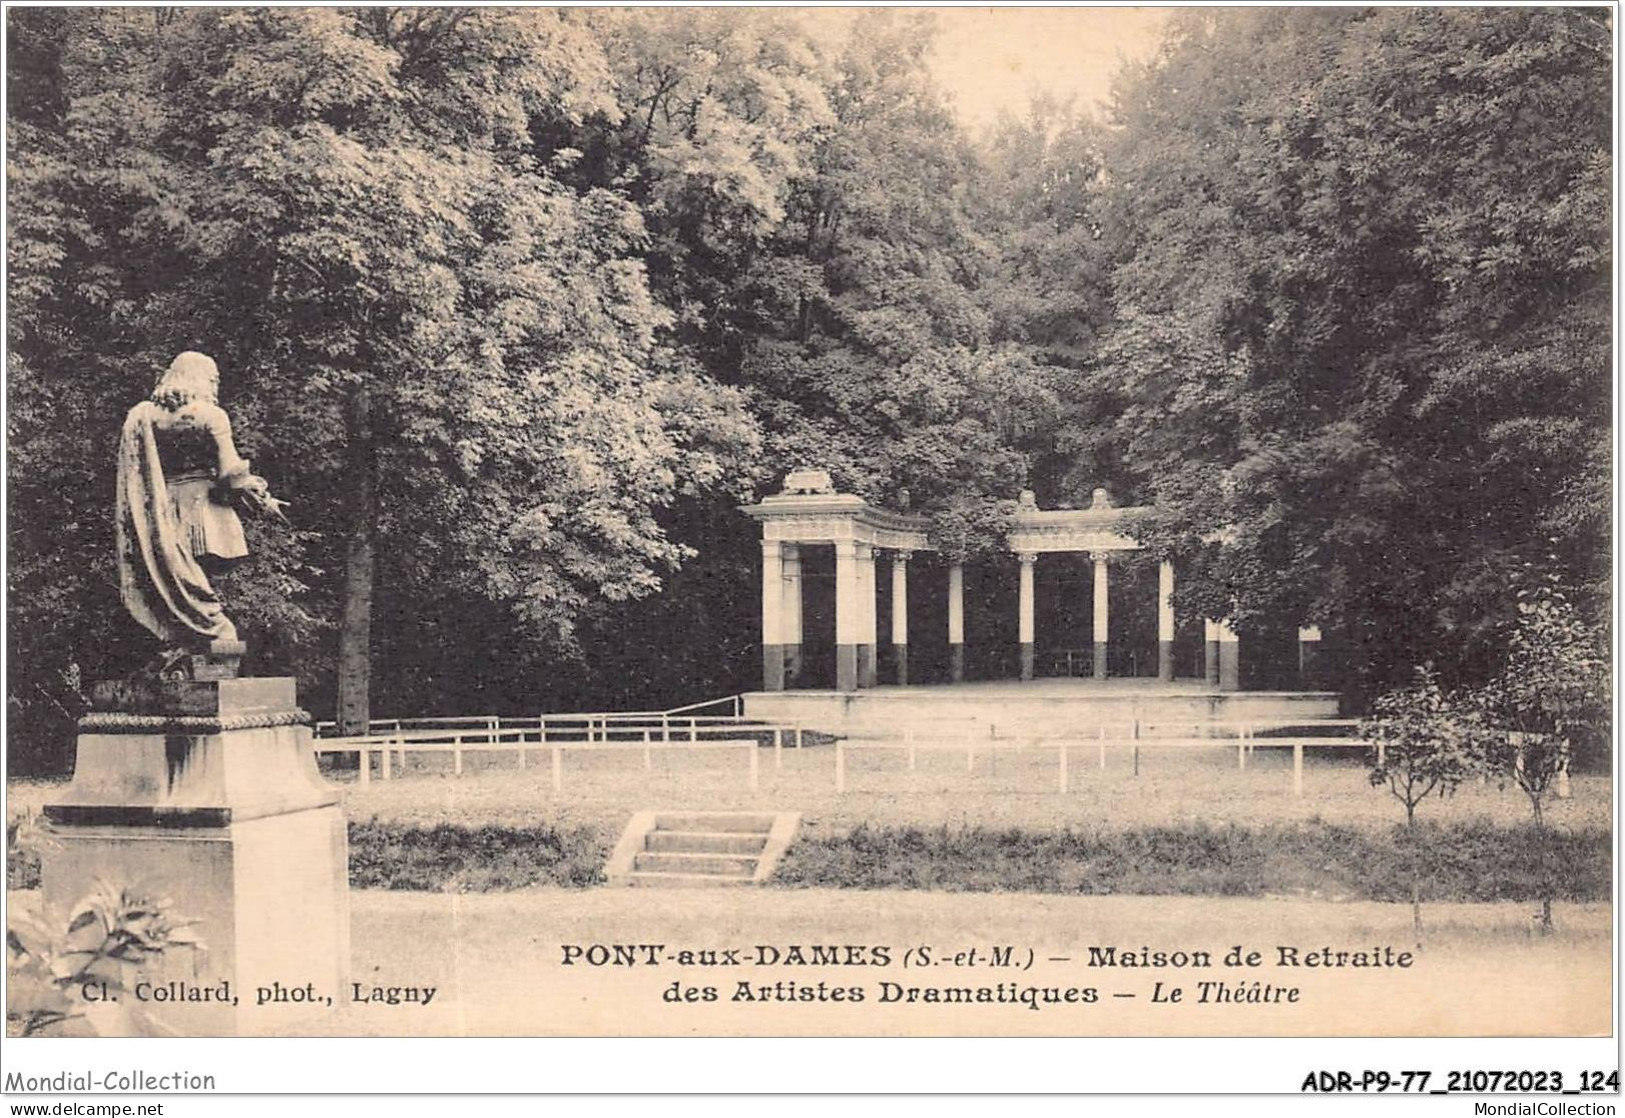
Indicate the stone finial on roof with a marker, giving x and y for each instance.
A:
(808, 481)
(1100, 499)
(1027, 500)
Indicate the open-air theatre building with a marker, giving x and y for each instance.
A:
(1066, 562)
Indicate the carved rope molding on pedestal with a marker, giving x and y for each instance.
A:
(117, 722)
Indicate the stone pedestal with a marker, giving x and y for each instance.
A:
(866, 665)
(1309, 657)
(1229, 658)
(846, 667)
(773, 669)
(1165, 621)
(205, 792)
(1210, 652)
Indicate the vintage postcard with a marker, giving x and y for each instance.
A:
(600, 522)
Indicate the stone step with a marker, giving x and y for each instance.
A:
(682, 880)
(719, 822)
(704, 842)
(730, 865)
(686, 847)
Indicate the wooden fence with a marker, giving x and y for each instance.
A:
(556, 735)
(1128, 736)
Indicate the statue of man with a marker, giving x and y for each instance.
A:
(180, 486)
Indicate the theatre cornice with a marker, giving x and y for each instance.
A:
(1092, 529)
(834, 517)
(809, 510)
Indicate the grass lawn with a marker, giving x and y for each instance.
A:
(902, 843)
(1188, 823)
(1007, 787)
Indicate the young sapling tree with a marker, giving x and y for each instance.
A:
(1423, 743)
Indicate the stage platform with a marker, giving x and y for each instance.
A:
(1040, 707)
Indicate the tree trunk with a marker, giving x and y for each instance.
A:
(361, 516)
(1542, 835)
(1416, 871)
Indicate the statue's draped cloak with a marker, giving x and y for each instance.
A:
(161, 581)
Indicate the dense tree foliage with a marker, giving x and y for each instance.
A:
(1360, 352)
(516, 305)
(449, 352)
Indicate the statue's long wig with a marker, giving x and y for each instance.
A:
(191, 376)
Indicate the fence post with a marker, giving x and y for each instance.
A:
(648, 757)
(1297, 768)
(840, 766)
(693, 729)
(798, 735)
(665, 727)
(457, 754)
(558, 771)
(1103, 747)
(365, 756)
(755, 765)
(1063, 778)
(384, 759)
(778, 749)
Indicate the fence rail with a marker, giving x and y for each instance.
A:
(524, 740)
(680, 728)
(1245, 739)
(522, 745)
(674, 716)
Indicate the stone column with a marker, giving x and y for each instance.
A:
(956, 622)
(1210, 651)
(899, 614)
(1309, 657)
(206, 792)
(790, 618)
(848, 625)
(1229, 657)
(1165, 621)
(1102, 618)
(1025, 616)
(868, 636)
(772, 616)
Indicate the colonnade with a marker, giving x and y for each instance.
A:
(857, 622)
(810, 512)
(856, 615)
